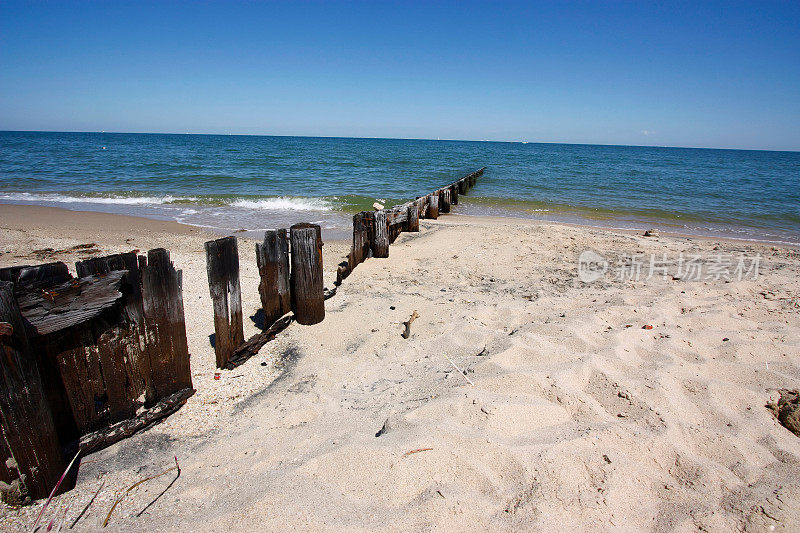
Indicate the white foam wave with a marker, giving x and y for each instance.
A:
(285, 203)
(112, 200)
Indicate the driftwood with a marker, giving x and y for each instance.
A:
(308, 303)
(407, 333)
(222, 265)
(254, 344)
(116, 432)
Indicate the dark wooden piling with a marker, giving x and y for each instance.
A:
(167, 346)
(412, 224)
(454, 194)
(444, 201)
(272, 258)
(361, 241)
(380, 234)
(28, 430)
(463, 185)
(222, 264)
(308, 292)
(433, 206)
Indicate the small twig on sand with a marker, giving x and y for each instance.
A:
(459, 370)
(108, 516)
(88, 504)
(407, 333)
(417, 451)
(53, 493)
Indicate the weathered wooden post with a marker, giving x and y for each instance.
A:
(272, 258)
(361, 241)
(433, 206)
(454, 194)
(26, 423)
(380, 234)
(463, 185)
(308, 292)
(444, 200)
(422, 206)
(222, 264)
(162, 300)
(412, 224)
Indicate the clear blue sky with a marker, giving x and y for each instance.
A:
(720, 74)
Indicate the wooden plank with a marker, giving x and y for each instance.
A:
(380, 234)
(254, 344)
(272, 258)
(140, 373)
(26, 422)
(433, 206)
(48, 274)
(413, 218)
(308, 297)
(68, 304)
(107, 436)
(167, 346)
(222, 265)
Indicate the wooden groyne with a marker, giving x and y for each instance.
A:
(86, 361)
(290, 269)
(291, 288)
(374, 231)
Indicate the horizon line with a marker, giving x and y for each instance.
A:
(409, 139)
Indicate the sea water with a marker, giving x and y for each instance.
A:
(229, 183)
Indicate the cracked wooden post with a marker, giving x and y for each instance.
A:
(433, 206)
(361, 245)
(422, 206)
(380, 234)
(412, 224)
(454, 194)
(26, 424)
(222, 264)
(272, 258)
(444, 200)
(162, 300)
(308, 292)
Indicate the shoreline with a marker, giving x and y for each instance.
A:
(118, 221)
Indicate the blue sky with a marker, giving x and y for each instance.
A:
(717, 74)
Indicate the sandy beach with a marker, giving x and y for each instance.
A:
(524, 399)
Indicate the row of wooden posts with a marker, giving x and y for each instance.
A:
(290, 269)
(374, 231)
(85, 361)
(289, 283)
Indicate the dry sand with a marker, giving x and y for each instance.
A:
(574, 421)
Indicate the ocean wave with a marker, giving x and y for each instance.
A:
(111, 200)
(285, 203)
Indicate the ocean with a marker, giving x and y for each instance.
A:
(228, 183)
